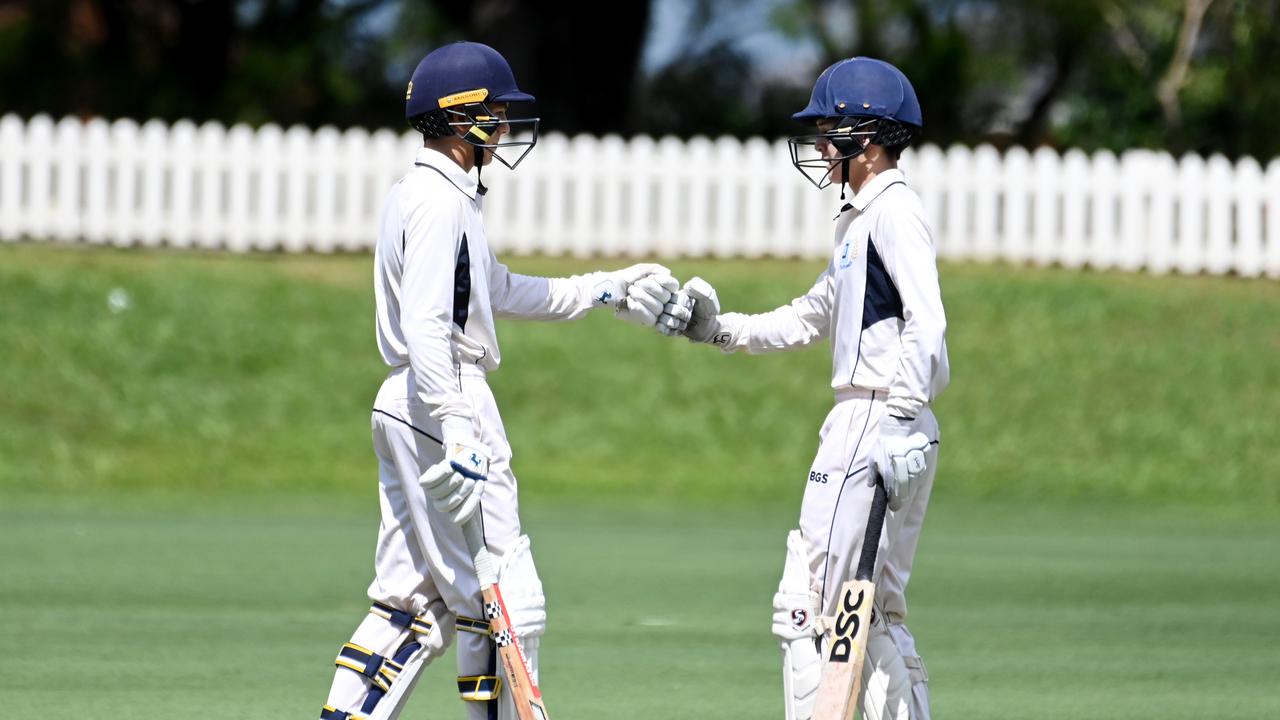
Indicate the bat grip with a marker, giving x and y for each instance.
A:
(486, 573)
(871, 540)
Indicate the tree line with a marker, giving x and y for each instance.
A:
(1186, 75)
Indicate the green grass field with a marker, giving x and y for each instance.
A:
(187, 505)
(1021, 612)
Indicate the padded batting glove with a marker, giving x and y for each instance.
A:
(676, 314)
(456, 484)
(901, 457)
(704, 324)
(637, 293)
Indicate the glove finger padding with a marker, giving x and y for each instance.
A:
(456, 484)
(680, 306)
(459, 493)
(468, 507)
(652, 293)
(643, 300)
(635, 272)
(900, 462)
(435, 476)
(675, 314)
(704, 320)
(701, 291)
(666, 281)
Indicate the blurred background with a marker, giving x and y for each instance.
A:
(188, 196)
(1183, 75)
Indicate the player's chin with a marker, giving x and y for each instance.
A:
(836, 173)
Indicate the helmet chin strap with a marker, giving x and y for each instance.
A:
(844, 168)
(478, 153)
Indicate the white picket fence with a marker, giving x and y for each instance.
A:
(296, 190)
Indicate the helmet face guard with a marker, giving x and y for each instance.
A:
(479, 124)
(476, 123)
(847, 138)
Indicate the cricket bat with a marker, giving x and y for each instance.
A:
(842, 668)
(520, 683)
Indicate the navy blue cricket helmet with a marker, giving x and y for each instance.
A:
(869, 99)
(863, 87)
(453, 88)
(461, 73)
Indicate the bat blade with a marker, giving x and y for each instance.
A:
(525, 694)
(841, 681)
(842, 667)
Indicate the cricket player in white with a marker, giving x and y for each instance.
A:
(438, 289)
(879, 302)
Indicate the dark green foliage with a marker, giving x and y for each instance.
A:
(1066, 73)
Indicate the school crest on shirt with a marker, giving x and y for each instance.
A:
(848, 253)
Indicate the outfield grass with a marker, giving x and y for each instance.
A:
(255, 374)
(1021, 612)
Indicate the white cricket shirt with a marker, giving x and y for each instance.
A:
(439, 287)
(878, 301)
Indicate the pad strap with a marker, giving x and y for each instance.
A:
(416, 624)
(473, 625)
(915, 666)
(331, 713)
(389, 672)
(367, 663)
(479, 688)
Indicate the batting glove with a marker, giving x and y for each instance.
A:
(637, 293)
(704, 324)
(676, 314)
(900, 457)
(456, 484)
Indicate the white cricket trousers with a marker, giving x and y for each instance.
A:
(833, 519)
(421, 555)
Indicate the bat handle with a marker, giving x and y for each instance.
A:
(875, 523)
(486, 573)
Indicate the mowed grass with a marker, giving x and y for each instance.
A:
(224, 374)
(1021, 612)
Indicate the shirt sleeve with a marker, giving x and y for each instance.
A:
(527, 297)
(911, 261)
(432, 236)
(802, 322)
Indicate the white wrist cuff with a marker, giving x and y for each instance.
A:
(457, 430)
(726, 335)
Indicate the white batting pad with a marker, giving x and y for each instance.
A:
(522, 590)
(895, 682)
(795, 625)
